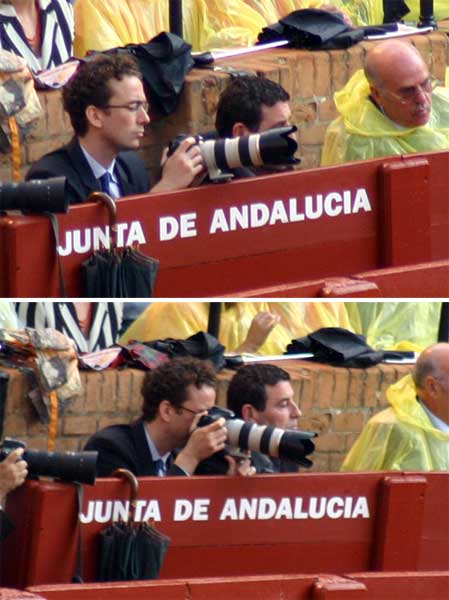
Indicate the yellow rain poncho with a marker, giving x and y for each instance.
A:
(370, 12)
(362, 132)
(179, 320)
(400, 438)
(396, 325)
(440, 10)
(103, 24)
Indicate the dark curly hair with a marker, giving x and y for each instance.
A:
(242, 101)
(90, 85)
(248, 386)
(170, 382)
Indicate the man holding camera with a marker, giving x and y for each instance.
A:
(108, 110)
(13, 472)
(262, 394)
(251, 104)
(165, 440)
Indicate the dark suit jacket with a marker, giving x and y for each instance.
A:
(125, 447)
(71, 162)
(6, 525)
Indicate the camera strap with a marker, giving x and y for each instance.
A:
(55, 226)
(78, 575)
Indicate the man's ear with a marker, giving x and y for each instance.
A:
(374, 94)
(94, 116)
(239, 129)
(166, 410)
(248, 412)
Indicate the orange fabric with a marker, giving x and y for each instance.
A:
(15, 145)
(53, 426)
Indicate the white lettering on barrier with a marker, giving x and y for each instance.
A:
(244, 217)
(234, 509)
(259, 214)
(81, 241)
(170, 227)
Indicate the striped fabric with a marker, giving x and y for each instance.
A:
(57, 34)
(106, 321)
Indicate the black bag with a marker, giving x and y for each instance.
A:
(164, 62)
(314, 29)
(337, 346)
(201, 345)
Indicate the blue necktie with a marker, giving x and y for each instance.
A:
(105, 183)
(161, 467)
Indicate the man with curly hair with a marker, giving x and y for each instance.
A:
(108, 110)
(165, 440)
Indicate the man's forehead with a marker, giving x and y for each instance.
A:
(280, 390)
(279, 111)
(126, 86)
(195, 393)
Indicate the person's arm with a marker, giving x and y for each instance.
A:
(260, 328)
(202, 443)
(13, 472)
(181, 168)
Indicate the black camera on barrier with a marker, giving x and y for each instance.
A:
(37, 196)
(287, 444)
(67, 466)
(272, 147)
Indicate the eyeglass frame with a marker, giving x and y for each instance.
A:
(193, 412)
(430, 81)
(132, 107)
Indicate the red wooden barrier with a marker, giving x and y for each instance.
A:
(291, 231)
(221, 527)
(357, 586)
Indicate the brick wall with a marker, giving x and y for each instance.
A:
(310, 77)
(335, 402)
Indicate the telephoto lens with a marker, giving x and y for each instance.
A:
(287, 444)
(272, 147)
(38, 196)
(68, 466)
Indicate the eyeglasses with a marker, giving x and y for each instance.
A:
(193, 412)
(406, 94)
(133, 107)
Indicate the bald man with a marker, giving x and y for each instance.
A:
(413, 434)
(390, 107)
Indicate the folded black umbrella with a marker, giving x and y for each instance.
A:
(130, 551)
(115, 272)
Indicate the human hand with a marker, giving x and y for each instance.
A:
(334, 9)
(13, 472)
(202, 443)
(260, 328)
(183, 167)
(240, 467)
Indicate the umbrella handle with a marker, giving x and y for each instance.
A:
(132, 479)
(112, 209)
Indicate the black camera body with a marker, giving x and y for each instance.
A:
(272, 147)
(67, 466)
(286, 444)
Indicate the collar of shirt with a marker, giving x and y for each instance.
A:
(153, 450)
(98, 170)
(436, 421)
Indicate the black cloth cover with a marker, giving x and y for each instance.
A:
(164, 62)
